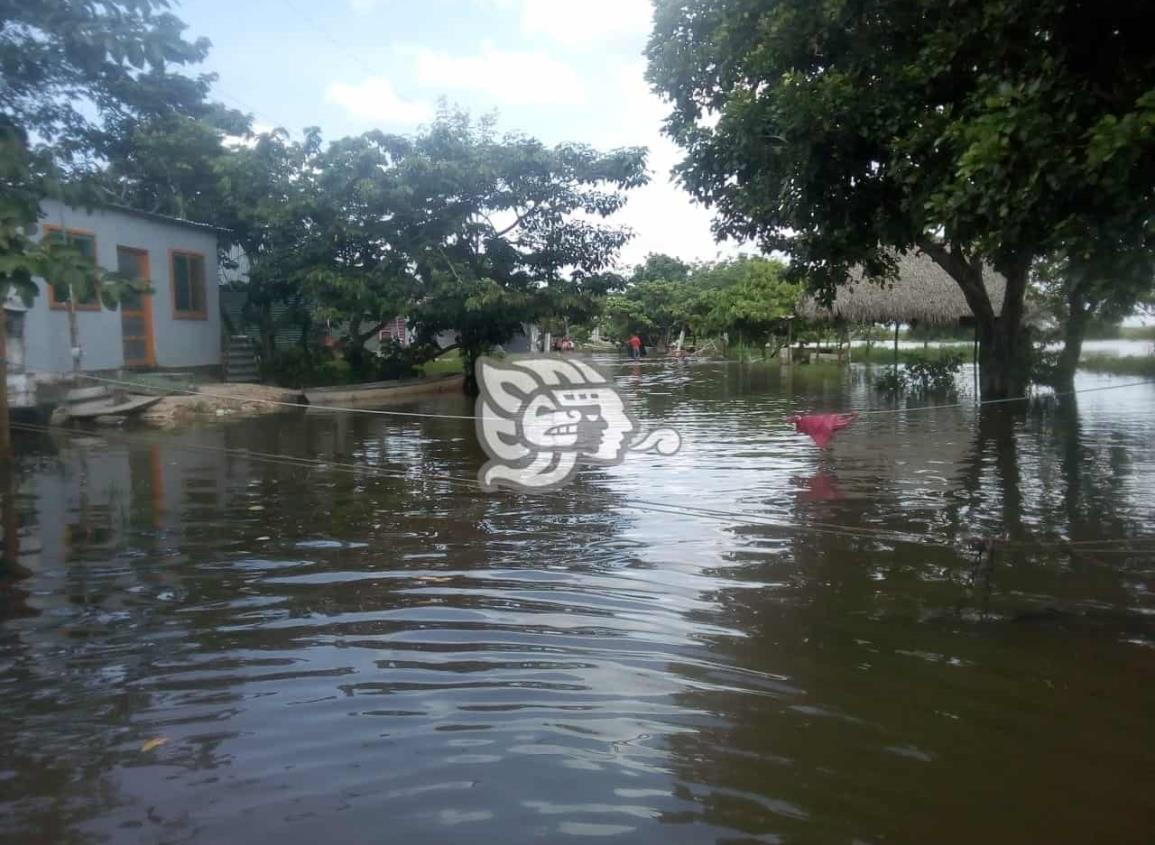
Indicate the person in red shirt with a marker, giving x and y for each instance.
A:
(635, 347)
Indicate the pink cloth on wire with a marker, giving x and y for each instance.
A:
(821, 427)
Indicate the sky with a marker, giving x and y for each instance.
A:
(559, 70)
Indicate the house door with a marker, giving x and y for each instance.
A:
(136, 310)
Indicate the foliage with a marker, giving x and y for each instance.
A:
(78, 79)
(73, 274)
(997, 130)
(934, 375)
(749, 299)
(883, 353)
(891, 381)
(923, 375)
(745, 298)
(1076, 301)
(504, 230)
(302, 367)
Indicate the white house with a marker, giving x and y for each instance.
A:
(177, 325)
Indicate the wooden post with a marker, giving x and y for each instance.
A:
(975, 361)
(896, 325)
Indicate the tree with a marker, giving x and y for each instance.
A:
(748, 300)
(505, 230)
(1073, 294)
(170, 164)
(76, 73)
(268, 203)
(659, 266)
(362, 275)
(993, 130)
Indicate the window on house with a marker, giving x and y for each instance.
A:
(85, 244)
(188, 285)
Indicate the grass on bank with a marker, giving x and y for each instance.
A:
(443, 365)
(1137, 332)
(883, 354)
(1131, 365)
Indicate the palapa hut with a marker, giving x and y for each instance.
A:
(922, 293)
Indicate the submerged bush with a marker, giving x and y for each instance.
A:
(937, 375)
(891, 381)
(923, 375)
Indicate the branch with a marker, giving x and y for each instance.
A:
(967, 275)
(521, 218)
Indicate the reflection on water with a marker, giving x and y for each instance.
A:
(361, 647)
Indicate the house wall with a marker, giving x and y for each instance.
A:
(178, 342)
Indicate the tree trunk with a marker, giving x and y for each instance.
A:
(73, 337)
(1002, 341)
(1002, 359)
(5, 431)
(1078, 316)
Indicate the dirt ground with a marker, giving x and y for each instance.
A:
(216, 401)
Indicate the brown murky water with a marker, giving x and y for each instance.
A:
(375, 653)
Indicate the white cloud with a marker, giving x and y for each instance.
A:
(662, 214)
(364, 7)
(508, 76)
(585, 23)
(374, 98)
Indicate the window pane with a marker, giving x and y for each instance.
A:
(180, 279)
(197, 283)
(84, 244)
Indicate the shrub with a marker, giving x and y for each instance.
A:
(933, 375)
(922, 375)
(891, 381)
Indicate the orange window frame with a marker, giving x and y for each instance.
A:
(203, 314)
(54, 303)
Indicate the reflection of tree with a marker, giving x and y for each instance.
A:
(1094, 480)
(864, 706)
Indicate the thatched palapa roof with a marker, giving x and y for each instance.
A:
(922, 293)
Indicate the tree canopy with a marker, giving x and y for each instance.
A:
(744, 299)
(87, 97)
(997, 130)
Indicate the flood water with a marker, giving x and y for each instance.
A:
(341, 639)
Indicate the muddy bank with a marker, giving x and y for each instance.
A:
(217, 401)
(224, 401)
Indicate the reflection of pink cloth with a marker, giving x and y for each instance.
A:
(821, 427)
(823, 487)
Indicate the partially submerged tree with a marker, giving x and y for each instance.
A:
(996, 130)
(1074, 294)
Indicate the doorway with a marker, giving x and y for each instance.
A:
(136, 310)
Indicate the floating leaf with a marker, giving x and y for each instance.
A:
(154, 743)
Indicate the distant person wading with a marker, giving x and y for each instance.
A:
(635, 344)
